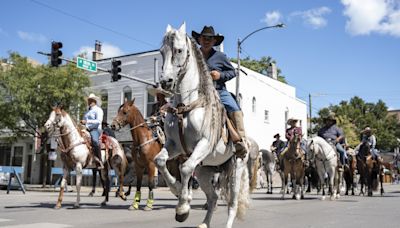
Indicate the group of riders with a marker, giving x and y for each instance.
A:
(333, 134)
(222, 71)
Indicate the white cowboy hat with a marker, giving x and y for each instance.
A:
(92, 96)
(153, 91)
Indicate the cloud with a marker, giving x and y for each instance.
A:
(313, 17)
(107, 49)
(272, 18)
(32, 37)
(372, 16)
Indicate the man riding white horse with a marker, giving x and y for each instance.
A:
(221, 71)
(333, 134)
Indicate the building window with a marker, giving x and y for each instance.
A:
(18, 155)
(127, 94)
(151, 103)
(104, 103)
(5, 154)
(253, 105)
(266, 116)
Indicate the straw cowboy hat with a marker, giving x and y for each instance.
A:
(208, 31)
(95, 98)
(291, 120)
(153, 91)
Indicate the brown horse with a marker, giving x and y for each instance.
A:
(145, 147)
(349, 173)
(369, 170)
(293, 163)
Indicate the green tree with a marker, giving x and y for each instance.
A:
(260, 66)
(28, 92)
(355, 115)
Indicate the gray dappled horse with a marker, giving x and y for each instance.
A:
(193, 126)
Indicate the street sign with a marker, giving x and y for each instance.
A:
(86, 64)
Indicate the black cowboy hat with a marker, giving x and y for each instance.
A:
(277, 135)
(208, 31)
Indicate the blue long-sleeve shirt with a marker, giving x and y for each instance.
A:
(219, 62)
(94, 117)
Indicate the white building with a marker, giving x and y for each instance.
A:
(267, 104)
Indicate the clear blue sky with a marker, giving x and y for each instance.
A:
(333, 49)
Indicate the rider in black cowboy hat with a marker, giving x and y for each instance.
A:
(221, 71)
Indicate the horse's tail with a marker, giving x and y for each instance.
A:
(244, 196)
(256, 166)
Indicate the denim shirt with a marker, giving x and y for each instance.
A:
(219, 62)
(94, 117)
(330, 132)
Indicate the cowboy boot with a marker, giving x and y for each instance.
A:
(135, 205)
(240, 147)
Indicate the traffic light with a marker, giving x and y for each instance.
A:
(116, 69)
(55, 53)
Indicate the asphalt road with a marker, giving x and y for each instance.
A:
(35, 209)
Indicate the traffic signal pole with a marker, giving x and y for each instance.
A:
(108, 71)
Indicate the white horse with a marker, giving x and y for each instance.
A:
(75, 153)
(326, 162)
(193, 126)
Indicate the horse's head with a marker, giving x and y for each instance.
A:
(126, 115)
(311, 148)
(56, 119)
(175, 53)
(365, 150)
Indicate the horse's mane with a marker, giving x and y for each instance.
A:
(214, 109)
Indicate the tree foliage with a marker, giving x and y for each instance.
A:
(27, 94)
(260, 66)
(355, 115)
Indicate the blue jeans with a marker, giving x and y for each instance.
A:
(342, 153)
(228, 101)
(95, 135)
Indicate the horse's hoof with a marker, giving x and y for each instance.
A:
(104, 203)
(302, 197)
(294, 197)
(203, 225)
(57, 206)
(91, 194)
(122, 196)
(369, 193)
(323, 198)
(337, 196)
(147, 208)
(133, 208)
(205, 206)
(76, 206)
(127, 193)
(182, 217)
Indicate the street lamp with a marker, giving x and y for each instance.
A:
(240, 42)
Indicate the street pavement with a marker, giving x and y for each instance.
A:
(35, 209)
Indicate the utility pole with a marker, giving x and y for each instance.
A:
(310, 111)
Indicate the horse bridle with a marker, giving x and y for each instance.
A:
(182, 68)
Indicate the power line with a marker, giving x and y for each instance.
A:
(93, 24)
